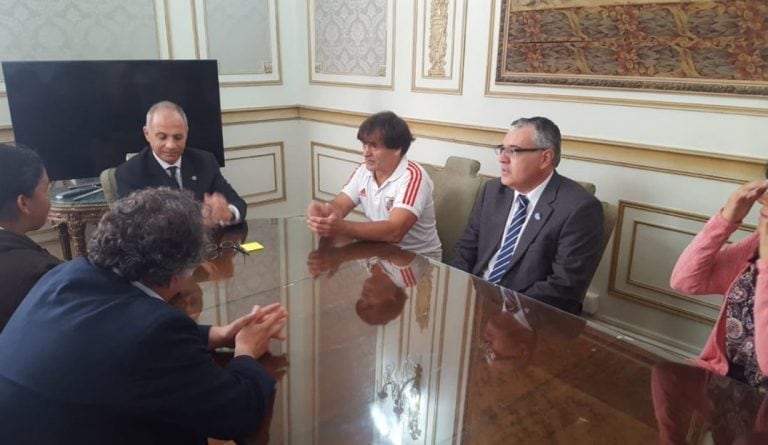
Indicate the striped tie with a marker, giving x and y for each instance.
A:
(172, 173)
(510, 241)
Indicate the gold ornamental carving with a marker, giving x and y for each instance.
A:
(438, 37)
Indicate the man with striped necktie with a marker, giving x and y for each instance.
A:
(394, 193)
(533, 230)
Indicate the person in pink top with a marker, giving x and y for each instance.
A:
(738, 344)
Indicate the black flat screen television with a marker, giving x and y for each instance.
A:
(84, 116)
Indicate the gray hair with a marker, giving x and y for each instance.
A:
(547, 133)
(150, 236)
(166, 105)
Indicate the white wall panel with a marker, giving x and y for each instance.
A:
(242, 35)
(257, 172)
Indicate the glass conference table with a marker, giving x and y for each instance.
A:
(387, 347)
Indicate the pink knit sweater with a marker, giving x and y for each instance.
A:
(706, 267)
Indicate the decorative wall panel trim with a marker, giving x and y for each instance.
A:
(439, 35)
(697, 164)
(320, 151)
(676, 102)
(167, 23)
(703, 165)
(274, 152)
(623, 282)
(162, 29)
(244, 36)
(733, 169)
(351, 44)
(651, 286)
(255, 115)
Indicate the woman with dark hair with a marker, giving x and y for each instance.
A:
(24, 206)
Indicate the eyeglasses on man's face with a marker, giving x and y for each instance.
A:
(513, 150)
(213, 250)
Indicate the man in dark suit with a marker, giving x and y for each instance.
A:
(532, 230)
(95, 355)
(167, 162)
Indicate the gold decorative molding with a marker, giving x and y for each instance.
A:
(417, 64)
(237, 116)
(640, 299)
(157, 4)
(651, 287)
(315, 173)
(719, 167)
(703, 165)
(196, 37)
(281, 174)
(438, 37)
(167, 11)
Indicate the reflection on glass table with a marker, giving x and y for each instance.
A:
(387, 347)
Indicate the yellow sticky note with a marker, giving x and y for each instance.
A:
(252, 247)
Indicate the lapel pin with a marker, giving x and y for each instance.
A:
(537, 216)
(194, 178)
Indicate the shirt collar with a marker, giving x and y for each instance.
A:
(534, 195)
(146, 290)
(164, 164)
(139, 285)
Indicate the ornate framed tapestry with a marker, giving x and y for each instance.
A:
(694, 45)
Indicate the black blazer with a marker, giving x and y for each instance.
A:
(22, 263)
(199, 173)
(88, 358)
(556, 254)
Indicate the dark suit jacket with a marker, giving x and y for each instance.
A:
(556, 254)
(90, 359)
(199, 173)
(22, 263)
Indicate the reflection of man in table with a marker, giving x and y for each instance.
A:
(168, 162)
(390, 269)
(105, 359)
(394, 193)
(24, 207)
(512, 332)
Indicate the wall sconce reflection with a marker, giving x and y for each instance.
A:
(405, 386)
